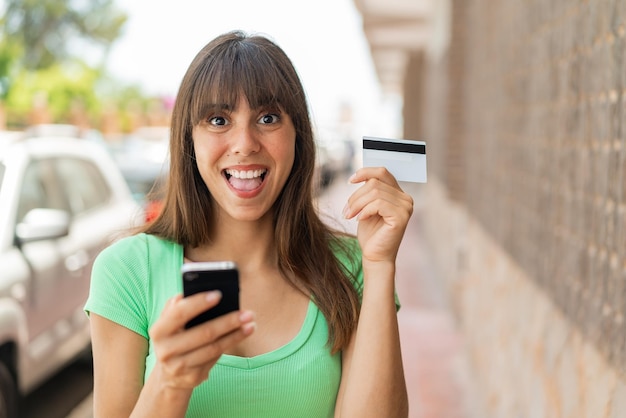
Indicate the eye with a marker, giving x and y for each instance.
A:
(269, 118)
(217, 121)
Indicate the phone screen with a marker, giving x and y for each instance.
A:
(202, 277)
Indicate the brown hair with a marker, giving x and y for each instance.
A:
(230, 65)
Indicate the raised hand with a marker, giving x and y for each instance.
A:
(382, 209)
(185, 356)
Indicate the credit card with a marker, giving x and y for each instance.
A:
(405, 159)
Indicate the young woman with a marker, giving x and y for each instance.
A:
(317, 335)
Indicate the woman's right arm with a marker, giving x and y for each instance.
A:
(184, 358)
(118, 367)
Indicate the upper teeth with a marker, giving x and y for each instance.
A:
(249, 174)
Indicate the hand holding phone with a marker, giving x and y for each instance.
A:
(207, 276)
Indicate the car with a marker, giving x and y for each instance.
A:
(62, 201)
(143, 158)
(52, 129)
(335, 156)
(323, 174)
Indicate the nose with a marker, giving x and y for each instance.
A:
(245, 141)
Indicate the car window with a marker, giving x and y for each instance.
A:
(84, 184)
(40, 189)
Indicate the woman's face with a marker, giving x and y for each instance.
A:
(245, 156)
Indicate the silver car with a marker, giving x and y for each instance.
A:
(61, 201)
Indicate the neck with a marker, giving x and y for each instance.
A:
(249, 244)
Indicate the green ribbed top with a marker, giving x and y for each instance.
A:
(299, 379)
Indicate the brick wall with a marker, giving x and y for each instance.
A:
(525, 125)
(528, 360)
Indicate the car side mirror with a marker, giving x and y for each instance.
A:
(42, 224)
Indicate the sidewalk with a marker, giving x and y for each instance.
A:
(435, 365)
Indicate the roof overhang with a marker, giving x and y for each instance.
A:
(394, 29)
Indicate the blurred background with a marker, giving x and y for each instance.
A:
(513, 268)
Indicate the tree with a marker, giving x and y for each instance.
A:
(63, 87)
(43, 49)
(10, 52)
(51, 31)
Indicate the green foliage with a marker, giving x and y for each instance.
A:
(52, 31)
(40, 45)
(9, 54)
(62, 87)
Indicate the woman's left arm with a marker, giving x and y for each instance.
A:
(372, 383)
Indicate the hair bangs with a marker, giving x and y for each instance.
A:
(241, 69)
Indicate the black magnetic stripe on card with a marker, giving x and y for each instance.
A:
(394, 146)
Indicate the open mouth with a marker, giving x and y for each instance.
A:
(245, 180)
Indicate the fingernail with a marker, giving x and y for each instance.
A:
(213, 295)
(351, 178)
(248, 328)
(346, 211)
(246, 316)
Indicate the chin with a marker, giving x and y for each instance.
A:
(250, 216)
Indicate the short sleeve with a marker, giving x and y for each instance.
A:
(118, 284)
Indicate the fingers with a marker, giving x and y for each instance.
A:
(186, 356)
(383, 210)
(180, 310)
(380, 195)
(380, 173)
(211, 338)
(376, 199)
(229, 336)
(193, 367)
